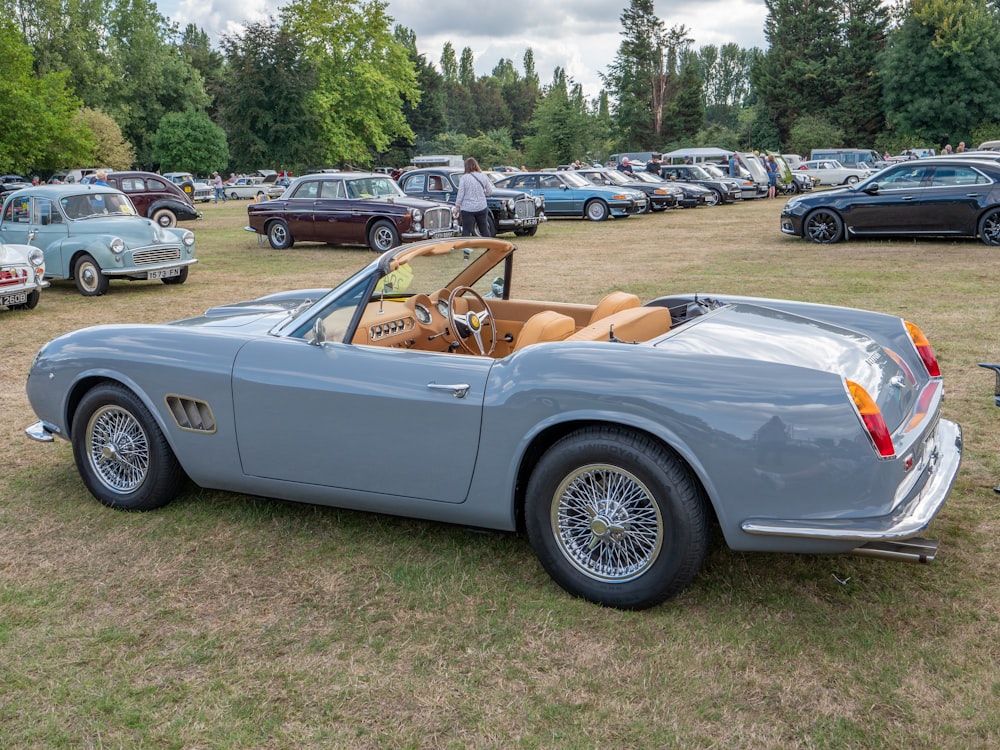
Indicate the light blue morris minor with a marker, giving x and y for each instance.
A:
(92, 234)
(617, 434)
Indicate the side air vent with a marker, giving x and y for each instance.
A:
(191, 414)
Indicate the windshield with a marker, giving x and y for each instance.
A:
(576, 180)
(96, 204)
(647, 177)
(713, 171)
(373, 187)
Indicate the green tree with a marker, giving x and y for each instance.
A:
(39, 128)
(559, 124)
(264, 103)
(363, 75)
(112, 150)
(644, 78)
(941, 72)
(810, 131)
(190, 142)
(797, 74)
(859, 109)
(195, 49)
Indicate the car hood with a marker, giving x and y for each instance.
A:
(135, 230)
(256, 315)
(757, 333)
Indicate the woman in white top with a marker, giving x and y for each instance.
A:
(473, 189)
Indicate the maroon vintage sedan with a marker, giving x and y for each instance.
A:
(154, 197)
(350, 208)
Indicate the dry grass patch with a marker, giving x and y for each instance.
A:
(230, 621)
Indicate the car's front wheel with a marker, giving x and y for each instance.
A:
(123, 458)
(178, 279)
(382, 236)
(278, 235)
(31, 303)
(164, 217)
(989, 227)
(596, 210)
(714, 198)
(90, 282)
(616, 518)
(823, 226)
(526, 231)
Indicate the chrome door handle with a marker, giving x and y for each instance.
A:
(460, 390)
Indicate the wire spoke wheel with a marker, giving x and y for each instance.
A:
(117, 449)
(607, 524)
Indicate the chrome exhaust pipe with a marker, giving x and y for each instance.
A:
(915, 550)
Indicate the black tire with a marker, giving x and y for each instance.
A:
(234, 196)
(31, 303)
(526, 231)
(596, 210)
(164, 217)
(851, 180)
(278, 235)
(823, 226)
(616, 519)
(989, 227)
(178, 279)
(123, 458)
(382, 236)
(714, 198)
(90, 282)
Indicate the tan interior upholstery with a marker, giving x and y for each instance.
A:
(612, 303)
(632, 324)
(544, 326)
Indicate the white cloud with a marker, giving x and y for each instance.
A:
(580, 36)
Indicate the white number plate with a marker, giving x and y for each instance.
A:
(17, 298)
(164, 273)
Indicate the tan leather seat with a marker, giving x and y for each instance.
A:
(547, 325)
(612, 303)
(633, 324)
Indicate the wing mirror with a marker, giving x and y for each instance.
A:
(318, 333)
(872, 189)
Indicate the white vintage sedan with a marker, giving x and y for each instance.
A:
(832, 172)
(22, 272)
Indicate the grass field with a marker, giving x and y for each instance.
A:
(226, 621)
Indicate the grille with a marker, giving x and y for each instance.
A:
(153, 255)
(9, 276)
(524, 208)
(437, 218)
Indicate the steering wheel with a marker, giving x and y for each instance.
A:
(472, 322)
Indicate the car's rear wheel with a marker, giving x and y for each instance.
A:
(989, 227)
(823, 226)
(178, 279)
(123, 458)
(164, 217)
(616, 518)
(90, 282)
(31, 303)
(851, 179)
(596, 210)
(278, 235)
(382, 236)
(714, 198)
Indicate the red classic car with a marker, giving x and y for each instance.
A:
(349, 208)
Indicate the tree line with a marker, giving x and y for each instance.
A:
(334, 82)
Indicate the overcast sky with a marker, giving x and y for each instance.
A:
(581, 36)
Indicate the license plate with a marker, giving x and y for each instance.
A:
(164, 273)
(17, 298)
(530, 222)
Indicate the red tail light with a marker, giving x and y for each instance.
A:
(924, 349)
(871, 416)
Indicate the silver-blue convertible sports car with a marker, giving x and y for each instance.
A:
(616, 434)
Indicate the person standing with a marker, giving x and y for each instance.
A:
(473, 189)
(734, 165)
(772, 176)
(220, 190)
